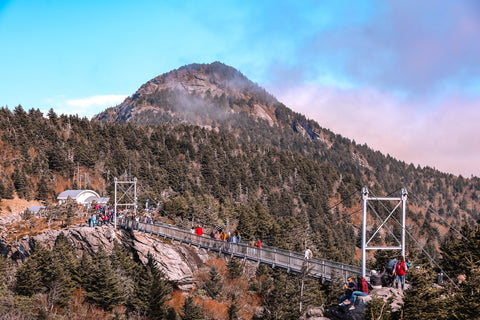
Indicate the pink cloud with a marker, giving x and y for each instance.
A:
(445, 136)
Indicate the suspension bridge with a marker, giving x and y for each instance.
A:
(275, 257)
(280, 258)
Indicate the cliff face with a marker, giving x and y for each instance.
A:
(179, 262)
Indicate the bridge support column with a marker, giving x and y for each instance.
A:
(131, 199)
(400, 242)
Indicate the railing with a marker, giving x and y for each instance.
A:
(275, 257)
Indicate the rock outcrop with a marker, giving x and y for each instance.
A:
(179, 262)
(384, 293)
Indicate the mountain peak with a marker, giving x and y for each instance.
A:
(216, 77)
(198, 93)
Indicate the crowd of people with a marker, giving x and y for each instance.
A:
(220, 235)
(105, 214)
(392, 275)
(101, 216)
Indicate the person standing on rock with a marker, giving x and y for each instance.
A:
(91, 221)
(400, 271)
(376, 278)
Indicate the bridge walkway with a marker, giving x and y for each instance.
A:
(275, 257)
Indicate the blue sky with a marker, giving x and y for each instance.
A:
(401, 76)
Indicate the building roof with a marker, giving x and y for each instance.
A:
(35, 209)
(70, 193)
(103, 200)
(81, 196)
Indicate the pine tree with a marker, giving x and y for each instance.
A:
(214, 284)
(423, 301)
(42, 190)
(20, 182)
(36, 273)
(159, 291)
(151, 290)
(282, 302)
(29, 278)
(102, 286)
(233, 310)
(65, 265)
(190, 311)
(464, 303)
(121, 260)
(235, 268)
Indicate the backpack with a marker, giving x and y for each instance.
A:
(364, 286)
(400, 268)
(391, 265)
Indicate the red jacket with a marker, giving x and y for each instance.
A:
(400, 269)
(364, 286)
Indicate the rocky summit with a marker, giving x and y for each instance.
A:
(198, 93)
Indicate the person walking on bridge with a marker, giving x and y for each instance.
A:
(308, 254)
(199, 231)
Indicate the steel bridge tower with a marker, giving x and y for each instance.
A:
(401, 242)
(128, 197)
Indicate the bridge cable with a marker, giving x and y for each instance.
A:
(431, 259)
(341, 201)
(438, 215)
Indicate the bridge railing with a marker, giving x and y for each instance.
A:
(275, 257)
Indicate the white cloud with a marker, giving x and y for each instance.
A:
(88, 106)
(97, 101)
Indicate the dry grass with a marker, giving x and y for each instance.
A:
(177, 301)
(212, 308)
(8, 206)
(217, 308)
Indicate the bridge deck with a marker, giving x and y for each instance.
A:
(290, 260)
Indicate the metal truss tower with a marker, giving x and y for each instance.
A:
(401, 243)
(128, 197)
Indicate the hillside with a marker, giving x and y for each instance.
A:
(211, 148)
(218, 97)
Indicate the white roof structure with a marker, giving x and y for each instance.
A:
(80, 196)
(36, 209)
